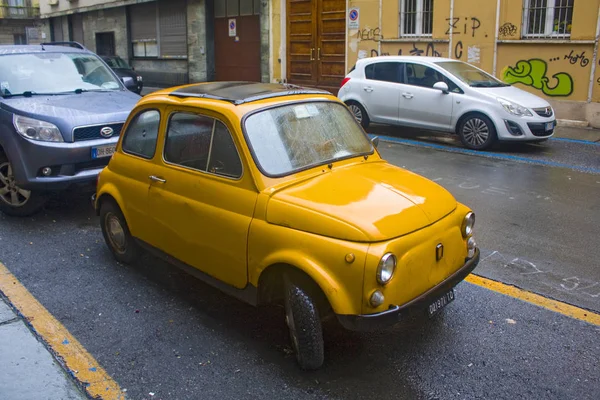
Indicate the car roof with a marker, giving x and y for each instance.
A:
(240, 92)
(38, 48)
(425, 59)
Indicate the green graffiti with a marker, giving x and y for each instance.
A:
(533, 73)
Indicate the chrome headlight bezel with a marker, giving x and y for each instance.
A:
(468, 224)
(384, 275)
(35, 129)
(514, 108)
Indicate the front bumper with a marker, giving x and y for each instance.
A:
(371, 322)
(525, 129)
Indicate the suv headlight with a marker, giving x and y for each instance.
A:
(139, 78)
(386, 268)
(514, 108)
(467, 224)
(35, 129)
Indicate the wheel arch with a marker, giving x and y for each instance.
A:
(110, 193)
(469, 113)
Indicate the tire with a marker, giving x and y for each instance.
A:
(15, 201)
(304, 324)
(116, 233)
(477, 132)
(359, 113)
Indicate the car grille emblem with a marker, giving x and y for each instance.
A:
(439, 251)
(106, 132)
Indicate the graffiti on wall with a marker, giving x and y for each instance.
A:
(469, 25)
(507, 30)
(418, 49)
(373, 34)
(533, 73)
(577, 58)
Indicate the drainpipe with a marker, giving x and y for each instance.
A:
(283, 42)
(450, 51)
(346, 37)
(380, 29)
(594, 58)
(496, 36)
(271, 42)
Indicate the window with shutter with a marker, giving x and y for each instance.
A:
(173, 29)
(143, 29)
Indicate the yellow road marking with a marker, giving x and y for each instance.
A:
(553, 305)
(94, 379)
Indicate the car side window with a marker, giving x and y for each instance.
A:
(384, 71)
(201, 143)
(424, 76)
(142, 133)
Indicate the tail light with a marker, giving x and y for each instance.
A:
(344, 81)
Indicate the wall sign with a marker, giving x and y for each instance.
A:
(232, 27)
(353, 15)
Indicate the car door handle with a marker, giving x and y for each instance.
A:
(157, 179)
(368, 89)
(408, 95)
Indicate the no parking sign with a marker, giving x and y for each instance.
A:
(232, 27)
(353, 18)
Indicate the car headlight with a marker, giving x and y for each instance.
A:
(35, 129)
(514, 108)
(467, 224)
(139, 78)
(386, 268)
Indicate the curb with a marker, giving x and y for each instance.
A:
(572, 123)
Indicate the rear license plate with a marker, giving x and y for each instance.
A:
(103, 151)
(549, 126)
(440, 303)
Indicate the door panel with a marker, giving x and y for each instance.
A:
(301, 42)
(331, 44)
(238, 59)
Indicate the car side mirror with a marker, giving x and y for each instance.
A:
(443, 86)
(375, 141)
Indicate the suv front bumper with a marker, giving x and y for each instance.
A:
(371, 322)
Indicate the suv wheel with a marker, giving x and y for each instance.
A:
(304, 323)
(477, 132)
(116, 233)
(15, 201)
(359, 113)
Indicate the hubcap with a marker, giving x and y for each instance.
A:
(10, 193)
(357, 112)
(116, 233)
(476, 132)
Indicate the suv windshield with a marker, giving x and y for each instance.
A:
(116, 62)
(48, 73)
(470, 75)
(303, 135)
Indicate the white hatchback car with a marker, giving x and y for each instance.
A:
(445, 95)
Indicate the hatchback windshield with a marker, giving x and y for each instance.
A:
(48, 73)
(470, 75)
(299, 136)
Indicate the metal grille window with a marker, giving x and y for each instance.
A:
(416, 17)
(547, 18)
(236, 8)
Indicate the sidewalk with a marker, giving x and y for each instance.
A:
(27, 369)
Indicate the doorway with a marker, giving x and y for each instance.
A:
(105, 44)
(316, 43)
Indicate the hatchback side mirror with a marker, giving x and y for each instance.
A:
(375, 141)
(443, 86)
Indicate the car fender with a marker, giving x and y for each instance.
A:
(8, 138)
(469, 110)
(109, 189)
(353, 97)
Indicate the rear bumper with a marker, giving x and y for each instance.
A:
(371, 322)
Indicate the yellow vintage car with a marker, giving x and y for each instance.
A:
(274, 194)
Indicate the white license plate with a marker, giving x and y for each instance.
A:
(549, 126)
(103, 151)
(440, 303)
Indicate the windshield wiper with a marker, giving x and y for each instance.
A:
(27, 93)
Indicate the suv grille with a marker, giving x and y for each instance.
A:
(93, 132)
(544, 111)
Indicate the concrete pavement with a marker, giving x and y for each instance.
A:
(28, 370)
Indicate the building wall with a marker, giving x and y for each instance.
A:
(64, 6)
(109, 20)
(11, 27)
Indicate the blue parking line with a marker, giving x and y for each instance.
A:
(487, 154)
(579, 141)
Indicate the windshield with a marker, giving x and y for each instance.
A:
(470, 75)
(117, 62)
(54, 73)
(303, 135)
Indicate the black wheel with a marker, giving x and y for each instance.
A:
(15, 201)
(477, 132)
(116, 233)
(359, 113)
(304, 323)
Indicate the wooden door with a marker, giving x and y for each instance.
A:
(237, 58)
(316, 43)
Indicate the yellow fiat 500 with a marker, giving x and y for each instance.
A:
(274, 193)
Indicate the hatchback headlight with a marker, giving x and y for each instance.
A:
(35, 129)
(467, 224)
(386, 268)
(514, 108)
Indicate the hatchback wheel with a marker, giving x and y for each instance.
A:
(15, 201)
(304, 324)
(116, 233)
(359, 113)
(477, 132)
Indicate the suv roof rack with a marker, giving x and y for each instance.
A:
(77, 45)
(243, 92)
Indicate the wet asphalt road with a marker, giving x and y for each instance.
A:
(155, 329)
